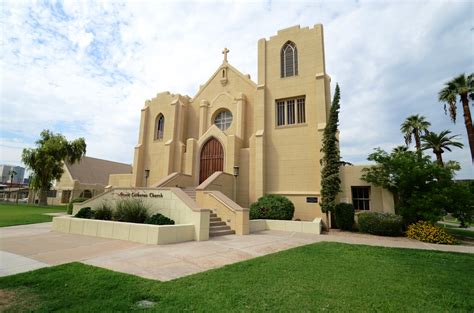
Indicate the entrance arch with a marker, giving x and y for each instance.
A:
(212, 159)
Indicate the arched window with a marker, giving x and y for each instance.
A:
(223, 120)
(289, 60)
(159, 127)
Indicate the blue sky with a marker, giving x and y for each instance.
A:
(85, 68)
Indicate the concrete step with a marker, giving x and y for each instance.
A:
(218, 223)
(215, 219)
(213, 215)
(220, 227)
(221, 233)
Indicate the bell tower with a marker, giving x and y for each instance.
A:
(293, 101)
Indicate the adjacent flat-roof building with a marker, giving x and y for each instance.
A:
(6, 177)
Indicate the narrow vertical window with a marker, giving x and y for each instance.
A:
(291, 111)
(301, 111)
(289, 60)
(160, 127)
(280, 113)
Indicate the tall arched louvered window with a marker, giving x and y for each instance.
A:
(289, 59)
(160, 127)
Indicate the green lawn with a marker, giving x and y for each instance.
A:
(459, 232)
(319, 277)
(19, 214)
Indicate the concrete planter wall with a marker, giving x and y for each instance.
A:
(142, 233)
(171, 202)
(313, 227)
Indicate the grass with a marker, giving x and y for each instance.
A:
(19, 214)
(459, 232)
(318, 277)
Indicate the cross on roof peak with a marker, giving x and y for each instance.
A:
(224, 52)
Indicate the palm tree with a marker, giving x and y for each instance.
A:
(440, 142)
(462, 87)
(400, 149)
(413, 126)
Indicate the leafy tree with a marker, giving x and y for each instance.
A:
(331, 161)
(461, 87)
(47, 159)
(439, 142)
(416, 182)
(460, 201)
(413, 126)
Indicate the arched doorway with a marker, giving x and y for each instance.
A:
(212, 159)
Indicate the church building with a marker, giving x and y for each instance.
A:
(248, 138)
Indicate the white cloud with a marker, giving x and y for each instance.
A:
(85, 68)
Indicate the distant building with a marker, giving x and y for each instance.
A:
(5, 172)
(85, 179)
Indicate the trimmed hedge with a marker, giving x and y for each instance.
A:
(272, 207)
(159, 219)
(130, 210)
(383, 224)
(71, 204)
(85, 213)
(344, 214)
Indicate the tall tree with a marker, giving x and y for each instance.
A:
(413, 126)
(417, 183)
(47, 159)
(461, 87)
(331, 161)
(439, 143)
(400, 149)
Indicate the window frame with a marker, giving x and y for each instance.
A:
(358, 197)
(160, 127)
(290, 112)
(225, 119)
(288, 47)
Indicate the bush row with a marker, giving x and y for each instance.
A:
(384, 224)
(131, 211)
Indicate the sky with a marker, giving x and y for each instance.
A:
(86, 68)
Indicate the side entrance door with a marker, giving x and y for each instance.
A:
(212, 159)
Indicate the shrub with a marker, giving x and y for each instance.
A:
(427, 232)
(159, 219)
(344, 214)
(384, 224)
(273, 207)
(71, 204)
(104, 212)
(85, 213)
(131, 210)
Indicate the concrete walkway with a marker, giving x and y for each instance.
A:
(28, 247)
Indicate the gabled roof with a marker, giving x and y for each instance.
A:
(96, 171)
(233, 69)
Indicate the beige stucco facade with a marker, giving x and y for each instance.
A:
(275, 150)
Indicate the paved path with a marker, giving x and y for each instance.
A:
(28, 247)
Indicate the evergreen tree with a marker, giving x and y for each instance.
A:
(331, 161)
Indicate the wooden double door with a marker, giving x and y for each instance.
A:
(212, 159)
